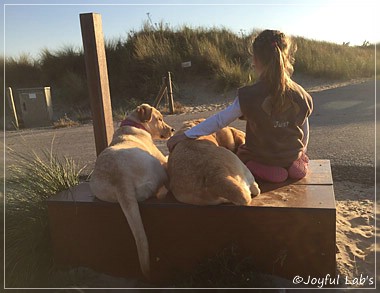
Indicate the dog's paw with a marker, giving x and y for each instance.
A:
(162, 192)
(255, 190)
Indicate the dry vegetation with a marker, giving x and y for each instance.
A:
(137, 63)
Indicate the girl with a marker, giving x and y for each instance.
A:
(276, 110)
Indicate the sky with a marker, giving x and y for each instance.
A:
(28, 27)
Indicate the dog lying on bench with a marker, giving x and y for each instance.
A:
(206, 171)
(133, 169)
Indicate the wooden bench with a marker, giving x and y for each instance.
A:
(288, 230)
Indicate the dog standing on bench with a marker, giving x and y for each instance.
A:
(133, 169)
(205, 171)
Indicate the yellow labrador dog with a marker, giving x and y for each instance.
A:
(133, 169)
(206, 171)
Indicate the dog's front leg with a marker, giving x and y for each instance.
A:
(164, 189)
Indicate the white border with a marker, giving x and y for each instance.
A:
(4, 150)
(183, 4)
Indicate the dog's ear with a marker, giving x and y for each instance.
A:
(144, 112)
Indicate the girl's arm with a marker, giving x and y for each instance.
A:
(216, 122)
(305, 129)
(209, 126)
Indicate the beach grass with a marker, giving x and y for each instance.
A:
(138, 61)
(30, 181)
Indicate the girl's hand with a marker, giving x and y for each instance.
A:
(172, 142)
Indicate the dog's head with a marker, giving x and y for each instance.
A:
(190, 123)
(228, 137)
(152, 120)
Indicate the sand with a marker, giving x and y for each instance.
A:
(355, 235)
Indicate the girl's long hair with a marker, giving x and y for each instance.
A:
(275, 52)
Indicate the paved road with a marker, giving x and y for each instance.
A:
(342, 130)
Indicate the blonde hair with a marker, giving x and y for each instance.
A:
(275, 52)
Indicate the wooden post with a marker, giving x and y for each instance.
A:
(170, 92)
(12, 109)
(97, 79)
(166, 93)
(161, 93)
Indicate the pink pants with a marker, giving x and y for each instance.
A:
(275, 174)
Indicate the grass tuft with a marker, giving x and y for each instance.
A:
(32, 180)
(65, 122)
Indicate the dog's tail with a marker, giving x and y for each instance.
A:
(131, 211)
(234, 191)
